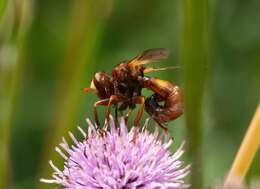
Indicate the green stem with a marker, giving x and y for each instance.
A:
(86, 28)
(10, 75)
(2, 8)
(194, 57)
(6, 97)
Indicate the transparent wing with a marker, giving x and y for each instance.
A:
(149, 56)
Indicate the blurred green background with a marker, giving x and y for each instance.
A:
(49, 51)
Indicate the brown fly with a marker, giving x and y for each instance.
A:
(124, 90)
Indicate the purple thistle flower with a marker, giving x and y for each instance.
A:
(114, 161)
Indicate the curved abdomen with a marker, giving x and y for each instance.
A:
(166, 93)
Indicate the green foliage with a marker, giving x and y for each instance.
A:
(2, 8)
(50, 50)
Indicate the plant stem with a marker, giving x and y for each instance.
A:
(86, 27)
(246, 152)
(194, 59)
(11, 67)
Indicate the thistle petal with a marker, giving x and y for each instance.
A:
(114, 161)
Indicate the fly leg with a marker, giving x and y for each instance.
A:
(103, 102)
(138, 100)
(112, 100)
(165, 129)
(116, 115)
(128, 114)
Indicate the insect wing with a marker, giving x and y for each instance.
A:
(149, 56)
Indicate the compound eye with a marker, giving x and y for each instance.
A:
(102, 83)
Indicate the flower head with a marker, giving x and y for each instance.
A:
(114, 161)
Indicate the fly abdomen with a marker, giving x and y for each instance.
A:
(166, 93)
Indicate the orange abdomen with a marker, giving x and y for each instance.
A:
(165, 92)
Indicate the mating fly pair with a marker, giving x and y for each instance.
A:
(124, 90)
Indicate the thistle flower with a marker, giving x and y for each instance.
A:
(114, 161)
